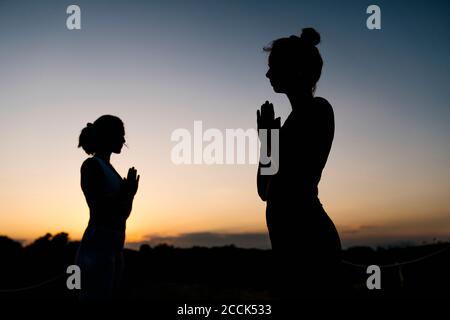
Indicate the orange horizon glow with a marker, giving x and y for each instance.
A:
(387, 176)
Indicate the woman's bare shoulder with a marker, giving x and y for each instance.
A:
(90, 165)
(322, 102)
(323, 106)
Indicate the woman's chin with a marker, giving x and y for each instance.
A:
(277, 89)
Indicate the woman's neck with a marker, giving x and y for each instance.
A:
(106, 156)
(298, 99)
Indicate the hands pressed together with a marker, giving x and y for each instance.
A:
(131, 182)
(265, 117)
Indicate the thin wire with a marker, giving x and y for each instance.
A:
(34, 286)
(397, 264)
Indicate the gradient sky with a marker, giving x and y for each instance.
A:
(160, 65)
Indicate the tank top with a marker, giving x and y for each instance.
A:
(112, 179)
(111, 217)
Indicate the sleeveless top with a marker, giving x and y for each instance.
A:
(112, 179)
(305, 143)
(109, 215)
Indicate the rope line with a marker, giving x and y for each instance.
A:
(391, 265)
(34, 286)
(398, 264)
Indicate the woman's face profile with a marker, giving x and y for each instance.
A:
(282, 75)
(118, 147)
(117, 140)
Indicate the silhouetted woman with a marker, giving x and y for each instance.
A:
(304, 240)
(110, 199)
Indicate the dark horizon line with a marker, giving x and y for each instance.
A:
(172, 242)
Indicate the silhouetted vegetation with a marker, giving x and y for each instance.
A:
(164, 272)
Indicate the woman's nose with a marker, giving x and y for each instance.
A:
(268, 74)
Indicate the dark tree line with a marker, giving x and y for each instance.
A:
(169, 273)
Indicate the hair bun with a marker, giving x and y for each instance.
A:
(310, 36)
(89, 124)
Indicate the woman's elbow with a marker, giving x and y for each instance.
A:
(262, 194)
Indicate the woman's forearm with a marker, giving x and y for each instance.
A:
(262, 182)
(126, 205)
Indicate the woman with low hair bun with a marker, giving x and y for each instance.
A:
(110, 199)
(305, 242)
(86, 139)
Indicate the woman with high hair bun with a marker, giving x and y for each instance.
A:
(304, 240)
(110, 198)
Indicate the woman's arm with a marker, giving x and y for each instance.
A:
(263, 182)
(304, 161)
(101, 202)
(92, 186)
(265, 119)
(128, 191)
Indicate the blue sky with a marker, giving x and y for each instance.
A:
(160, 65)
